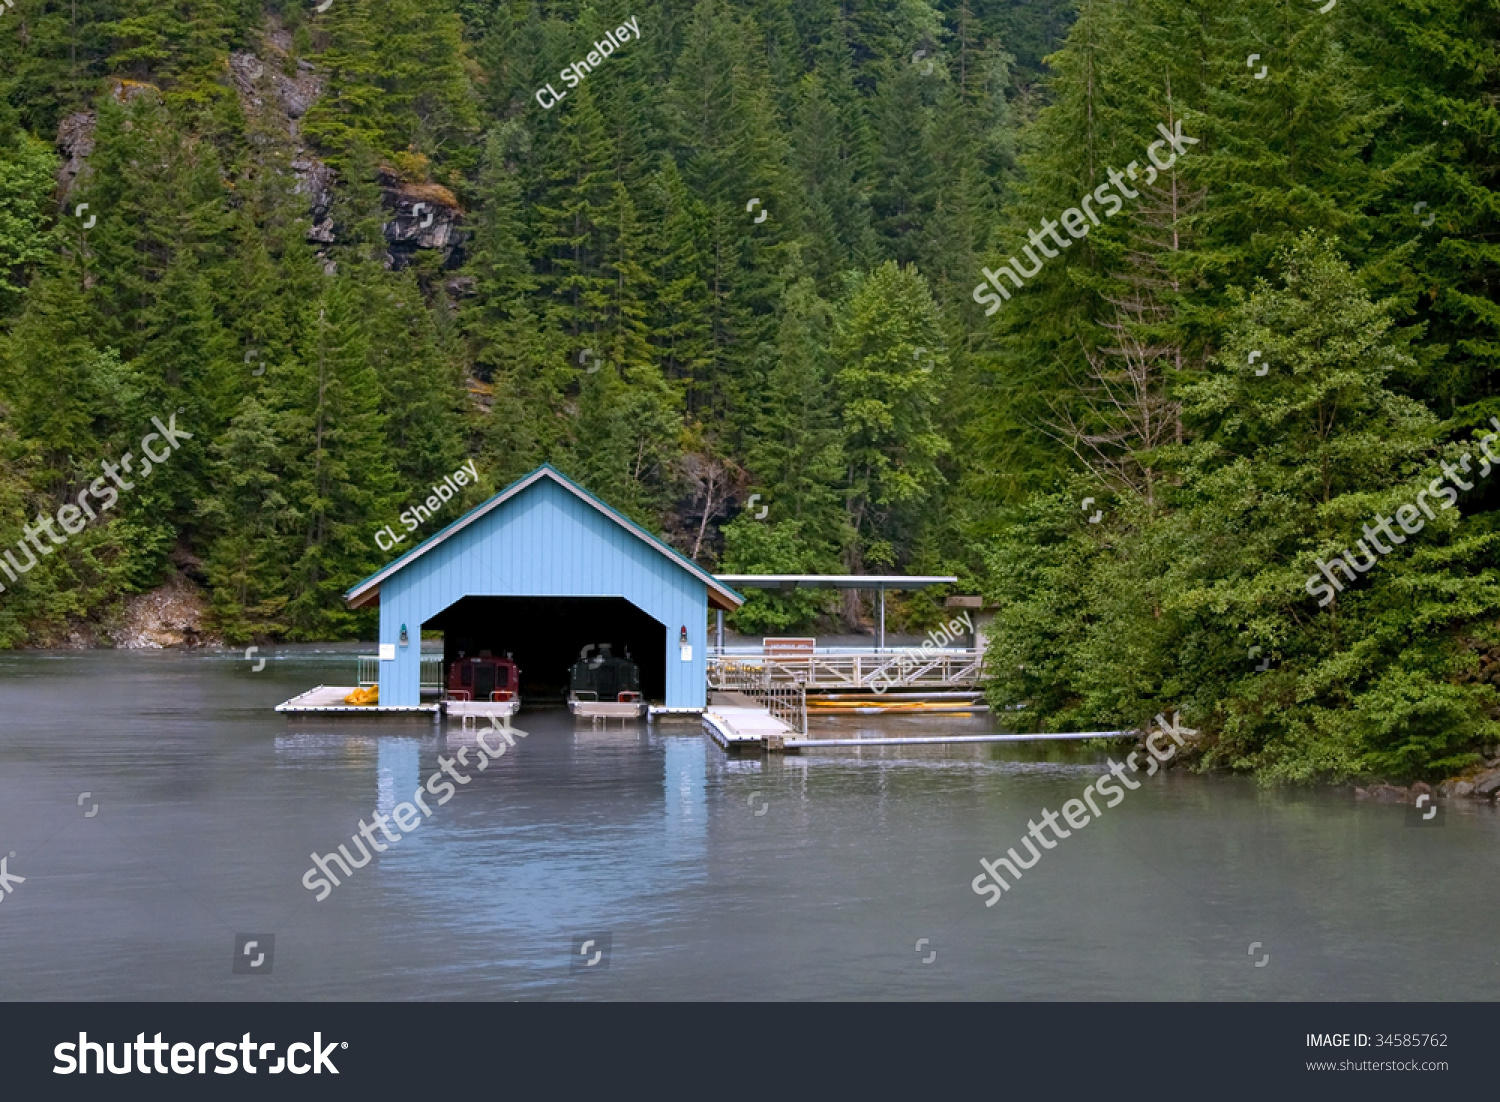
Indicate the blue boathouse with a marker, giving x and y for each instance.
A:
(540, 571)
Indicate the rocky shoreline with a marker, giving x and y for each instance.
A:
(1482, 784)
(172, 615)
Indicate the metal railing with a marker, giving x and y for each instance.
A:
(781, 691)
(431, 675)
(867, 671)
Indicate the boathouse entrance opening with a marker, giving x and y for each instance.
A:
(546, 635)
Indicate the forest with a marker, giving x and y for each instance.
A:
(1150, 320)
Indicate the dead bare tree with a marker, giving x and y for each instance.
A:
(710, 480)
(1123, 409)
(1119, 413)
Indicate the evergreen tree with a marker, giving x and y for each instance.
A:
(796, 452)
(26, 171)
(253, 525)
(889, 348)
(682, 315)
(342, 488)
(838, 221)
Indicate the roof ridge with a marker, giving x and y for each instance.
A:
(353, 595)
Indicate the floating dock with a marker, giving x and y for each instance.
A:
(608, 709)
(477, 711)
(661, 711)
(329, 700)
(738, 724)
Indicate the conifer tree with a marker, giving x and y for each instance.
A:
(889, 349)
(26, 182)
(341, 487)
(1437, 66)
(682, 268)
(253, 526)
(825, 154)
(796, 451)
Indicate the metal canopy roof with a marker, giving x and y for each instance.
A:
(833, 581)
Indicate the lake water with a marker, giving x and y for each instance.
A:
(705, 876)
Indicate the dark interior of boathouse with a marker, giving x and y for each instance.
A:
(546, 635)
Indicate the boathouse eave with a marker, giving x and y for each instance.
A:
(367, 592)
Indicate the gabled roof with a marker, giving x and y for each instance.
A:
(719, 594)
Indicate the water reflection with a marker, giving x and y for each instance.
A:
(210, 805)
(396, 771)
(685, 761)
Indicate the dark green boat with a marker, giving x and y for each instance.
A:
(603, 686)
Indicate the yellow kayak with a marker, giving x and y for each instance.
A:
(870, 707)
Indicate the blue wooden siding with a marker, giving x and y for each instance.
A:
(545, 542)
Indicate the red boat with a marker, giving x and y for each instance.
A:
(484, 678)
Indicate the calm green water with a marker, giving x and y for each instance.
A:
(210, 805)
